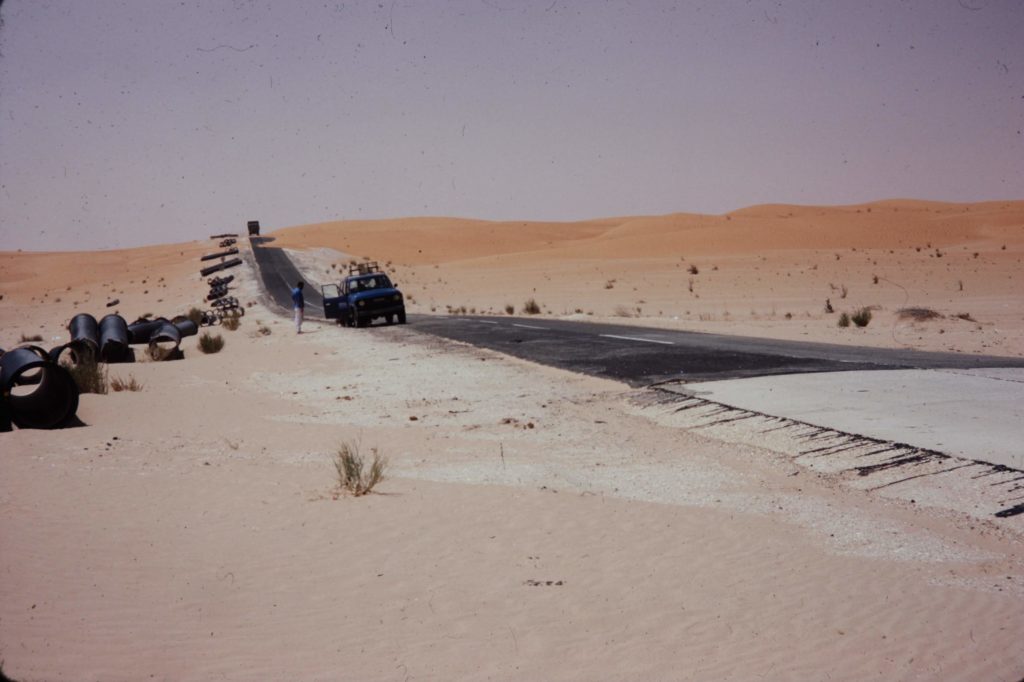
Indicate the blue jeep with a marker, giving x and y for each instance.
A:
(365, 295)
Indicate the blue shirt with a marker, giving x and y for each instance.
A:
(297, 298)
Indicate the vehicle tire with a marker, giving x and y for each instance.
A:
(391, 318)
(362, 321)
(401, 317)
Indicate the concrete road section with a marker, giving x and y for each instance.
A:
(972, 413)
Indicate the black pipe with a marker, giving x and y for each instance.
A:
(186, 327)
(220, 266)
(85, 337)
(222, 254)
(166, 333)
(140, 331)
(114, 339)
(54, 400)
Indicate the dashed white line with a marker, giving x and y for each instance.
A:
(527, 326)
(637, 338)
(486, 322)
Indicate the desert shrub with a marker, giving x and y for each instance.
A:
(89, 376)
(510, 309)
(862, 317)
(34, 338)
(918, 314)
(196, 315)
(844, 320)
(263, 329)
(531, 307)
(351, 468)
(230, 322)
(129, 384)
(693, 270)
(210, 343)
(966, 316)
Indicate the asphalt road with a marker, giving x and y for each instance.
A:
(279, 276)
(638, 356)
(642, 356)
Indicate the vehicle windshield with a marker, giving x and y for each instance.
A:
(370, 283)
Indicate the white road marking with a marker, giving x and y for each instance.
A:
(486, 322)
(527, 326)
(636, 338)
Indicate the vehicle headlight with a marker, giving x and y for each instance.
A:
(398, 297)
(362, 304)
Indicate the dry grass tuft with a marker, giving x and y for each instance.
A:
(531, 307)
(210, 343)
(352, 474)
(129, 384)
(624, 311)
(89, 376)
(34, 338)
(844, 320)
(862, 317)
(918, 314)
(230, 322)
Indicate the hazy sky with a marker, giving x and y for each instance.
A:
(141, 121)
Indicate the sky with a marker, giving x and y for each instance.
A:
(133, 122)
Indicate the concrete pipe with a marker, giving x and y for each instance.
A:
(53, 399)
(114, 339)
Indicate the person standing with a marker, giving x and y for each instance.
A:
(299, 303)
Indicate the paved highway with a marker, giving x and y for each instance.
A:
(639, 356)
(642, 356)
(279, 276)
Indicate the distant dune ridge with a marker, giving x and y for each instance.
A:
(764, 270)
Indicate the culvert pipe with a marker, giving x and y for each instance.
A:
(220, 266)
(140, 331)
(186, 327)
(114, 339)
(85, 336)
(220, 254)
(53, 399)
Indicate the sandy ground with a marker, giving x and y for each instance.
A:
(534, 524)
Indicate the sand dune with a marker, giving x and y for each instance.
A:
(192, 530)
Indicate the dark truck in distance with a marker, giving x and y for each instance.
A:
(365, 295)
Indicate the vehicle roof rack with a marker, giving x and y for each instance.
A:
(364, 268)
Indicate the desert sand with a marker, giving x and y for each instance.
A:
(534, 524)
